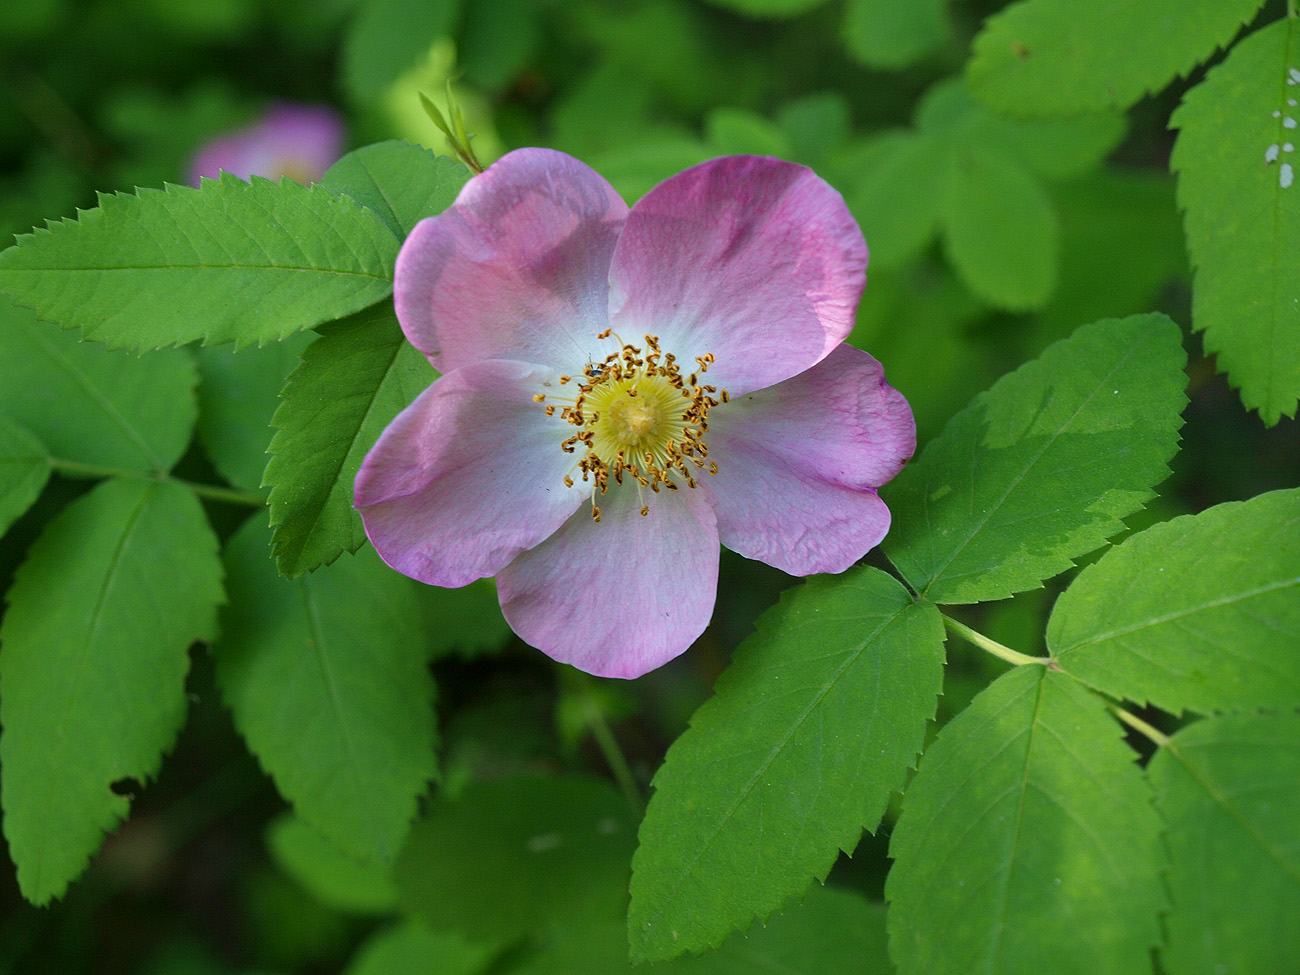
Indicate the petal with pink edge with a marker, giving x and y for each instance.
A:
(517, 268)
(753, 259)
(839, 421)
(622, 597)
(468, 476)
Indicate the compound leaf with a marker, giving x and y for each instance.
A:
(1040, 469)
(1235, 158)
(1027, 841)
(327, 680)
(1202, 612)
(352, 381)
(229, 262)
(1228, 788)
(92, 678)
(811, 729)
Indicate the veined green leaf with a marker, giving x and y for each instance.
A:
(1042, 58)
(520, 854)
(1202, 612)
(90, 406)
(24, 469)
(92, 677)
(1236, 164)
(1027, 841)
(811, 729)
(238, 393)
(889, 35)
(1229, 788)
(230, 262)
(327, 680)
(353, 380)
(400, 182)
(1040, 469)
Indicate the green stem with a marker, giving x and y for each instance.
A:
(992, 646)
(608, 745)
(1140, 726)
(74, 468)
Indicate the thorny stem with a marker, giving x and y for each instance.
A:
(992, 646)
(1137, 724)
(210, 491)
(608, 745)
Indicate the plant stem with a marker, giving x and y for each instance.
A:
(1140, 726)
(992, 646)
(211, 491)
(608, 745)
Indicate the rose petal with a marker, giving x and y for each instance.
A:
(753, 259)
(798, 463)
(622, 597)
(839, 420)
(517, 268)
(467, 476)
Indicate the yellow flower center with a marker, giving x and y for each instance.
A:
(637, 417)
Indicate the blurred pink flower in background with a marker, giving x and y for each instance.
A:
(298, 141)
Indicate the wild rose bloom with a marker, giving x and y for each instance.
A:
(622, 390)
(298, 141)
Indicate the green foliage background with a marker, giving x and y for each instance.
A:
(328, 768)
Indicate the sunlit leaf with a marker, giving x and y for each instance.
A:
(1027, 841)
(812, 727)
(231, 262)
(1229, 788)
(1236, 164)
(401, 183)
(1210, 614)
(1040, 469)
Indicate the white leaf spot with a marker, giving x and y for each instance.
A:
(1277, 114)
(1288, 147)
(1288, 123)
(1270, 154)
(1285, 177)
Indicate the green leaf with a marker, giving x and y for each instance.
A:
(735, 131)
(248, 263)
(401, 183)
(1235, 160)
(327, 680)
(331, 876)
(497, 41)
(1027, 841)
(24, 469)
(466, 621)
(1202, 612)
(815, 124)
(92, 677)
(889, 35)
(238, 393)
(811, 728)
(518, 855)
(830, 931)
(91, 406)
(1040, 469)
(387, 38)
(353, 380)
(1041, 58)
(1000, 230)
(412, 949)
(1228, 789)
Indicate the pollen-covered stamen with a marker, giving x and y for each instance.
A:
(638, 419)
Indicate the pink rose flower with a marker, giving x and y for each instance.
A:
(623, 390)
(298, 141)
